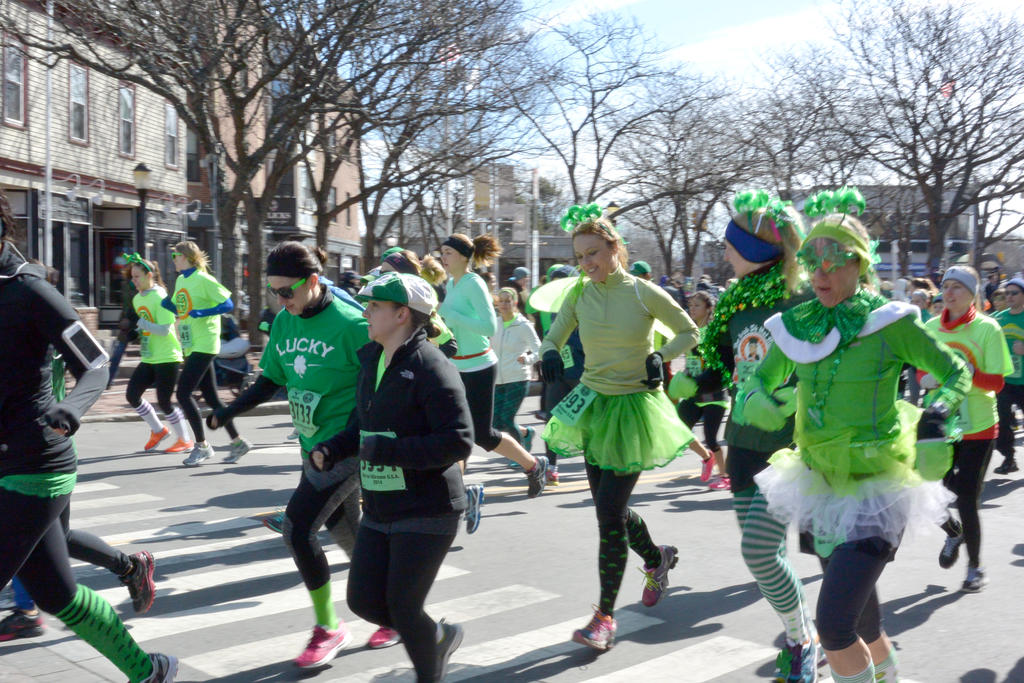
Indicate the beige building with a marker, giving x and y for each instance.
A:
(100, 130)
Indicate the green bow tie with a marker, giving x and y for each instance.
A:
(812, 321)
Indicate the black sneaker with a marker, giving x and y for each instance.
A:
(140, 582)
(1009, 465)
(448, 644)
(20, 625)
(950, 551)
(975, 580)
(536, 477)
(165, 668)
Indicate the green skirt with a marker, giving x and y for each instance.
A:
(627, 433)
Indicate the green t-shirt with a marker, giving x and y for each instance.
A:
(155, 348)
(315, 358)
(196, 292)
(1013, 330)
(981, 343)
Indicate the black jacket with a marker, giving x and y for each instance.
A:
(32, 317)
(421, 399)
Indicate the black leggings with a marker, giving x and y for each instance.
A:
(163, 375)
(965, 478)
(848, 602)
(34, 545)
(1009, 396)
(619, 528)
(309, 509)
(388, 582)
(690, 411)
(198, 373)
(480, 396)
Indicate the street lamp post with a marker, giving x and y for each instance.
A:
(142, 179)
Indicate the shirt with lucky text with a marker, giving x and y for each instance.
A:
(315, 359)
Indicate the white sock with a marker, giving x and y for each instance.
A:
(178, 424)
(146, 412)
(793, 622)
(887, 671)
(865, 676)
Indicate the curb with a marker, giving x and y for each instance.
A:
(268, 408)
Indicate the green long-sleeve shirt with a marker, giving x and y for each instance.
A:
(616, 319)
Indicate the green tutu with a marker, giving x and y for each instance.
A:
(627, 433)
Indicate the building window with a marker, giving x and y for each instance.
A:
(14, 85)
(170, 135)
(332, 198)
(78, 103)
(348, 210)
(126, 120)
(192, 157)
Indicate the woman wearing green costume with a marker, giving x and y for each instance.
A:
(761, 242)
(618, 417)
(866, 467)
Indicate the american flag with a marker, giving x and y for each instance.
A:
(948, 84)
(448, 54)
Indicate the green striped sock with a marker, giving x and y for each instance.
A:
(324, 607)
(94, 621)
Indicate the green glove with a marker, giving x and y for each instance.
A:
(682, 387)
(761, 411)
(786, 396)
(934, 458)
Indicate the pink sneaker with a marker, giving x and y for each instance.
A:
(720, 484)
(383, 637)
(323, 646)
(656, 578)
(598, 634)
(706, 467)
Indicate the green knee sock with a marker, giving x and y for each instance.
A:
(865, 676)
(887, 671)
(94, 621)
(324, 607)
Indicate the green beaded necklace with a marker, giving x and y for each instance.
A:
(762, 290)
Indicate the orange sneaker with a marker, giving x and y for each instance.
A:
(180, 446)
(155, 438)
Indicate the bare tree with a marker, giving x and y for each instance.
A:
(932, 96)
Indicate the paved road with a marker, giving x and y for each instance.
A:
(231, 606)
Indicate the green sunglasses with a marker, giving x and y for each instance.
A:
(286, 292)
(831, 258)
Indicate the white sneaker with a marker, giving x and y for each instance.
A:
(238, 449)
(198, 455)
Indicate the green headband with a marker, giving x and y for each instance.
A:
(849, 239)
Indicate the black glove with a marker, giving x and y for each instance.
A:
(551, 366)
(328, 460)
(223, 414)
(932, 424)
(60, 417)
(655, 370)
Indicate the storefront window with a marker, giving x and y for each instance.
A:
(112, 287)
(78, 265)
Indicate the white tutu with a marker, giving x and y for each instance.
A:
(882, 507)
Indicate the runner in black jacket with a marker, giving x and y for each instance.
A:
(37, 458)
(410, 428)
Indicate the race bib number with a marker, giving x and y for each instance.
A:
(1017, 366)
(570, 408)
(302, 403)
(186, 336)
(380, 477)
(744, 369)
(144, 349)
(566, 354)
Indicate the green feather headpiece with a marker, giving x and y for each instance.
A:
(845, 200)
(580, 213)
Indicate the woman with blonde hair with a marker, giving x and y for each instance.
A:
(198, 302)
(469, 313)
(866, 465)
(761, 243)
(617, 417)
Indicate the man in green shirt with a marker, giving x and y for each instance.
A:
(1012, 393)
